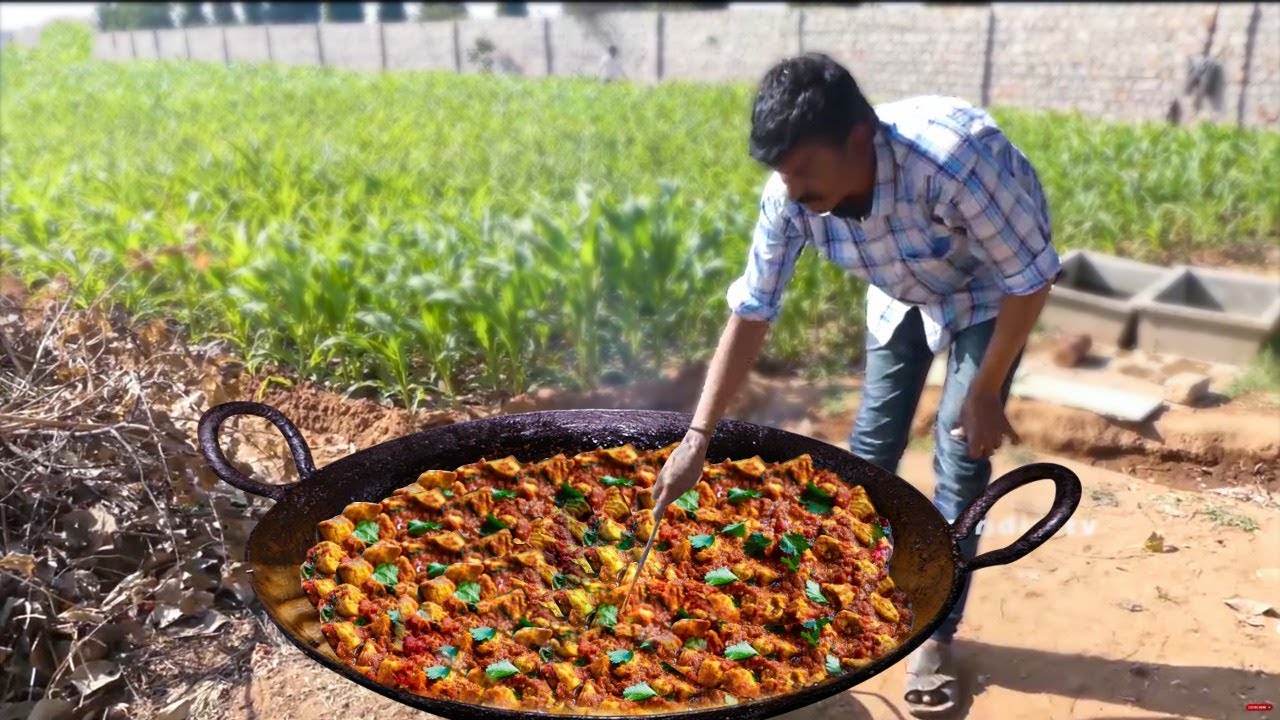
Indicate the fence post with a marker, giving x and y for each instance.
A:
(987, 59)
(662, 45)
(115, 51)
(457, 48)
(546, 43)
(800, 32)
(133, 46)
(319, 45)
(155, 42)
(1250, 40)
(271, 51)
(382, 43)
(186, 40)
(226, 52)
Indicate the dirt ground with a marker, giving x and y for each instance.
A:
(1091, 625)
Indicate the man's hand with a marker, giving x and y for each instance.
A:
(681, 471)
(983, 424)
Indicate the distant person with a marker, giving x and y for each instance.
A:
(610, 67)
(931, 205)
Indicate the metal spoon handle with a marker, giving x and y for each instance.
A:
(644, 557)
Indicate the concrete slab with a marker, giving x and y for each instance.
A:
(1213, 315)
(1105, 401)
(1093, 295)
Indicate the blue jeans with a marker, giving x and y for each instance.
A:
(895, 378)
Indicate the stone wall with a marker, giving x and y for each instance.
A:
(1116, 61)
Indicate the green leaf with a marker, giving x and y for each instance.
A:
(568, 496)
(696, 643)
(524, 623)
(740, 495)
(627, 542)
(547, 654)
(688, 501)
(326, 613)
(388, 575)
(646, 645)
(793, 544)
(618, 657)
(468, 592)
(447, 493)
(607, 616)
(738, 530)
(499, 670)
(437, 672)
(741, 651)
(590, 538)
(833, 666)
(491, 525)
(483, 634)
(419, 527)
(792, 562)
(616, 481)
(558, 581)
(308, 571)
(813, 630)
(395, 616)
(502, 494)
(367, 532)
(757, 544)
(662, 546)
(449, 651)
(435, 570)
(701, 542)
(361, 622)
(683, 614)
(878, 531)
(814, 592)
(720, 576)
(639, 692)
(816, 499)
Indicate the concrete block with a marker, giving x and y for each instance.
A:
(206, 44)
(1212, 315)
(1094, 294)
(248, 43)
(354, 46)
(420, 46)
(1186, 388)
(294, 45)
(173, 44)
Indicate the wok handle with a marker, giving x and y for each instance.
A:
(210, 447)
(1066, 498)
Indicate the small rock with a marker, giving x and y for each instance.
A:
(1186, 388)
(1131, 606)
(1071, 351)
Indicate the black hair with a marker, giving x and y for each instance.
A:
(613, 49)
(810, 97)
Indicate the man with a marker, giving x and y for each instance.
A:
(927, 201)
(610, 67)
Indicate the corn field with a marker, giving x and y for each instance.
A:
(432, 235)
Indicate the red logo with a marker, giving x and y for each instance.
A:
(1258, 707)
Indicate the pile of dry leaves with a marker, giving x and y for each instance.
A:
(121, 594)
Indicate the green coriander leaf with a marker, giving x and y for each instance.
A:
(695, 643)
(326, 613)
(688, 501)
(437, 672)
(419, 527)
(524, 623)
(833, 666)
(616, 481)
(741, 651)
(468, 592)
(367, 532)
(740, 495)
(618, 657)
(813, 630)
(572, 500)
(627, 542)
(757, 544)
(547, 654)
(701, 542)
(502, 494)
(590, 538)
(580, 662)
(388, 575)
(683, 614)
(499, 670)
(308, 571)
(395, 616)
(816, 499)
(662, 546)
(449, 651)
(361, 622)
(738, 530)
(607, 616)
(792, 562)
(435, 570)
(878, 531)
(447, 493)
(639, 692)
(483, 634)
(558, 581)
(646, 645)
(793, 544)
(720, 576)
(814, 592)
(491, 525)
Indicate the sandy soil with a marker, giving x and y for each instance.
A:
(1090, 625)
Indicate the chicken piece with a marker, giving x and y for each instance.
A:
(611, 531)
(388, 668)
(885, 643)
(862, 531)
(710, 673)
(529, 558)
(358, 512)
(565, 648)
(640, 614)
(336, 529)
(884, 608)
(682, 550)
(497, 544)
(480, 501)
(464, 571)
(859, 504)
(565, 675)
(886, 586)
(580, 602)
(320, 588)
(827, 547)
(501, 696)
(644, 498)
(527, 489)
(532, 636)
(764, 574)
(706, 494)
(433, 500)
(437, 590)
(667, 645)
(346, 600)
(610, 562)
(644, 526)
(722, 607)
(767, 608)
(382, 552)
(512, 603)
(432, 611)
(624, 455)
(751, 468)
(745, 570)
(433, 479)
(555, 469)
(690, 628)
(740, 683)
(773, 490)
(450, 541)
(326, 556)
(709, 515)
(542, 540)
(615, 506)
(404, 568)
(506, 468)
(354, 571)
(348, 637)
(847, 623)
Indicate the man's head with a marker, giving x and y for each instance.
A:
(811, 123)
(613, 51)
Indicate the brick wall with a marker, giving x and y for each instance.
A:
(1107, 60)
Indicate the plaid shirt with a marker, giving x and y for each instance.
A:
(958, 220)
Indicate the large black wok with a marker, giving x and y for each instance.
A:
(926, 562)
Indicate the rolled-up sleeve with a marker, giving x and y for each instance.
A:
(1000, 205)
(776, 244)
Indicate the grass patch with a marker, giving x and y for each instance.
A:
(1224, 517)
(1261, 378)
(1104, 496)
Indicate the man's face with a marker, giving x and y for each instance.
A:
(819, 176)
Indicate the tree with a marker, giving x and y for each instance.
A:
(134, 16)
(442, 11)
(513, 10)
(344, 12)
(392, 12)
(291, 13)
(255, 13)
(224, 14)
(190, 14)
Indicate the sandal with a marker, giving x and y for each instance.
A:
(933, 685)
